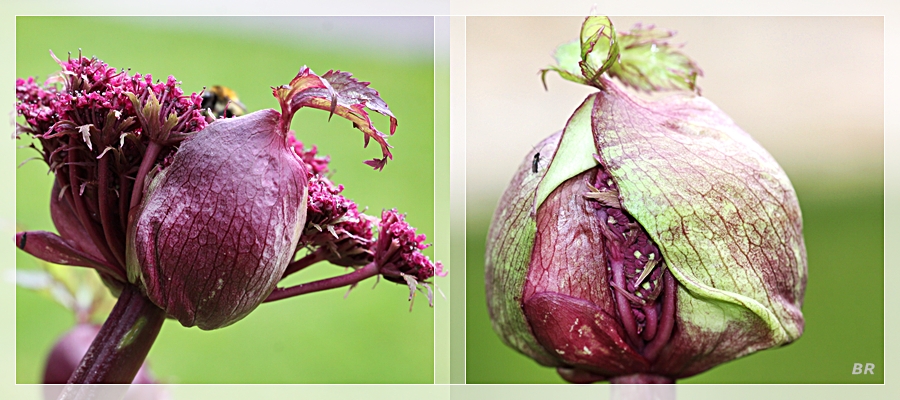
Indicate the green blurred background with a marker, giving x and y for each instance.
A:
(369, 337)
(778, 78)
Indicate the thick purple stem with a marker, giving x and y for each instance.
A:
(667, 319)
(651, 322)
(116, 354)
(84, 217)
(307, 260)
(113, 237)
(149, 160)
(354, 277)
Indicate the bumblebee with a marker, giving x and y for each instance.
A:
(221, 101)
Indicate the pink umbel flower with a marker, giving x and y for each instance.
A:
(95, 131)
(338, 232)
(398, 250)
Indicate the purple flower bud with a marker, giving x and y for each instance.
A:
(659, 241)
(398, 254)
(338, 232)
(217, 227)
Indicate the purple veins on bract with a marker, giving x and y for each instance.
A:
(339, 93)
(188, 217)
(218, 226)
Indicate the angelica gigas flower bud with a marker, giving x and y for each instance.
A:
(659, 241)
(218, 226)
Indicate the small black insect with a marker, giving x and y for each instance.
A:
(22, 242)
(535, 162)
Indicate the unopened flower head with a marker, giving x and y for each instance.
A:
(659, 241)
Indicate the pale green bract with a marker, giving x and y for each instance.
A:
(721, 209)
(641, 58)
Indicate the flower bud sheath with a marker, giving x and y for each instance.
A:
(218, 227)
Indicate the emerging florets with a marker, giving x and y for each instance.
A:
(337, 231)
(398, 250)
(91, 93)
(92, 124)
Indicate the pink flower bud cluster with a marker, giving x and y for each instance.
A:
(337, 227)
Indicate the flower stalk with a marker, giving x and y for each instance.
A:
(123, 342)
(349, 279)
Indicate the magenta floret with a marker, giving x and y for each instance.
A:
(92, 126)
(398, 250)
